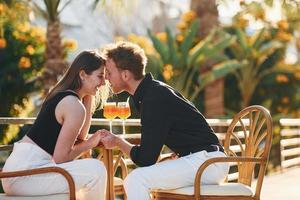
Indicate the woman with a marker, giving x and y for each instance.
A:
(63, 120)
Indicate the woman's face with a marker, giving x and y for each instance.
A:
(92, 82)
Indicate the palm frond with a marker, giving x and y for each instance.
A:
(52, 9)
(258, 39)
(173, 55)
(242, 39)
(198, 49)
(218, 71)
(160, 47)
(188, 41)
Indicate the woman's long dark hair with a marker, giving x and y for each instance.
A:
(88, 61)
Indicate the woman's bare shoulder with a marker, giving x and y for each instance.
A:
(70, 106)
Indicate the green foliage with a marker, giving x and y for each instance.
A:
(21, 59)
(266, 79)
(181, 63)
(52, 9)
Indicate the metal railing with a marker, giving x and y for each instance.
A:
(102, 121)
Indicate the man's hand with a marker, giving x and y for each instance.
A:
(95, 139)
(109, 140)
(174, 156)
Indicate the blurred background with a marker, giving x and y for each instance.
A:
(223, 55)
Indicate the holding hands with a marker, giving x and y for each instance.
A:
(95, 139)
(108, 139)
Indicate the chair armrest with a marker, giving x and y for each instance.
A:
(216, 160)
(124, 168)
(44, 170)
(120, 162)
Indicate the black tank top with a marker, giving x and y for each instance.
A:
(46, 128)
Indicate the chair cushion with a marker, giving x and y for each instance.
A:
(117, 182)
(46, 197)
(234, 189)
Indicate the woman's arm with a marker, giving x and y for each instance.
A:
(88, 103)
(71, 113)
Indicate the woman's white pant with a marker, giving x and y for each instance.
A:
(172, 174)
(89, 174)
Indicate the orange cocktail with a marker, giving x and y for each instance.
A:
(123, 112)
(110, 112)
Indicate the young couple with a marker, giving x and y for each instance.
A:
(167, 118)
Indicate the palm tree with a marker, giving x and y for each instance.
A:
(55, 64)
(178, 64)
(207, 12)
(264, 55)
(291, 11)
(264, 49)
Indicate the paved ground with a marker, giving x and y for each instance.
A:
(282, 186)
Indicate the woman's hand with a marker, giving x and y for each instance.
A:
(109, 140)
(95, 139)
(174, 156)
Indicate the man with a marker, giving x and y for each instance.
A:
(167, 118)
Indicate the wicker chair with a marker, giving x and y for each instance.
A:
(118, 162)
(255, 124)
(63, 172)
(118, 182)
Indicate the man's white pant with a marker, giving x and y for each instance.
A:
(89, 174)
(172, 174)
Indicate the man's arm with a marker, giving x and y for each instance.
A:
(155, 128)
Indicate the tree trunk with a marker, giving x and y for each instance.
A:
(213, 93)
(55, 64)
(214, 99)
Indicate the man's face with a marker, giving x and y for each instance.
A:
(113, 75)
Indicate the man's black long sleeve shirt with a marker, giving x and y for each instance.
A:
(167, 118)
